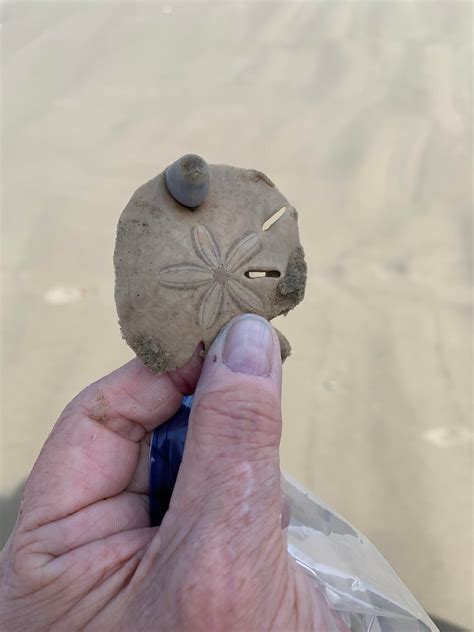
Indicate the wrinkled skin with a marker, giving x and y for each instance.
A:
(82, 554)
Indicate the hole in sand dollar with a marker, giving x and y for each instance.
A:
(258, 274)
(274, 218)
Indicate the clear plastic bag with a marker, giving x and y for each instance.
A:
(356, 581)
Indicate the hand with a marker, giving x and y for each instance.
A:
(83, 554)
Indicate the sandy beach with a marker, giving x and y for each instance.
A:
(360, 112)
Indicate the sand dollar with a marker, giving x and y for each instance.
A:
(182, 273)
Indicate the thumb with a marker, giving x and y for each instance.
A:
(230, 467)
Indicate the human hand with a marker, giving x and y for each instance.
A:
(83, 554)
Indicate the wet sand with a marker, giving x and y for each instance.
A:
(360, 112)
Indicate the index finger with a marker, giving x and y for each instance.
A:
(92, 451)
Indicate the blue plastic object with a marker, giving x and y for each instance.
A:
(166, 453)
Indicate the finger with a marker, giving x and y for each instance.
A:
(88, 577)
(140, 482)
(230, 467)
(92, 451)
(130, 511)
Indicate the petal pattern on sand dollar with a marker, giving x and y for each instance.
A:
(216, 276)
(210, 305)
(185, 276)
(242, 250)
(243, 297)
(205, 246)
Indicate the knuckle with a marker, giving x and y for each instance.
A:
(250, 412)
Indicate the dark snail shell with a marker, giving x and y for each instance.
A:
(187, 180)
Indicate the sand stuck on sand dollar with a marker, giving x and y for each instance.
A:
(182, 273)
